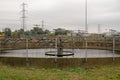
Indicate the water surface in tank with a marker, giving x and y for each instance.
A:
(78, 53)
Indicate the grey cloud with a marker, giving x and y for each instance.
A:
(65, 13)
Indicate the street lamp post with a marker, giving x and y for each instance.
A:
(86, 30)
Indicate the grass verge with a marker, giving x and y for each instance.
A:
(107, 72)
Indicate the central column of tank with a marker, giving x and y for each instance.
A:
(59, 47)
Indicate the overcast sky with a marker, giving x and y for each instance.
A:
(68, 14)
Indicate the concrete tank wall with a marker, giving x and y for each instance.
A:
(59, 63)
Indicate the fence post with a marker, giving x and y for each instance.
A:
(113, 48)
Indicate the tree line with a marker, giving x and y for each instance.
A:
(35, 31)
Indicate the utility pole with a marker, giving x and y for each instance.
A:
(42, 24)
(86, 23)
(23, 16)
(24, 27)
(99, 29)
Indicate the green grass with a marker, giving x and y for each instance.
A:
(108, 72)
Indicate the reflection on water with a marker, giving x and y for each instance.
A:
(79, 53)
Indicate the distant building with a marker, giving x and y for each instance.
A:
(72, 34)
(76, 33)
(112, 33)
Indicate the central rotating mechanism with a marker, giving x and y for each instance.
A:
(60, 52)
